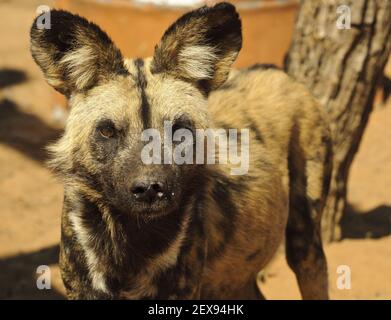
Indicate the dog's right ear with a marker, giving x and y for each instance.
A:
(201, 46)
(74, 54)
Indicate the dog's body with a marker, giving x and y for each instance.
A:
(213, 231)
(291, 166)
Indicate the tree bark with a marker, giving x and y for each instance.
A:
(342, 68)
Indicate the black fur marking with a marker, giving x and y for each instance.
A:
(254, 128)
(258, 292)
(224, 125)
(184, 122)
(262, 66)
(221, 194)
(75, 257)
(141, 81)
(167, 282)
(82, 174)
(185, 292)
(328, 166)
(253, 255)
(300, 230)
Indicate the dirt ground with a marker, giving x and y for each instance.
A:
(30, 198)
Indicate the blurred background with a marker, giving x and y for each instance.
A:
(32, 115)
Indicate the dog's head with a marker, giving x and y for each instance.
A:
(113, 100)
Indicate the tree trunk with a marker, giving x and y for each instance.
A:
(341, 67)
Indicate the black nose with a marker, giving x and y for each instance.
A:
(148, 192)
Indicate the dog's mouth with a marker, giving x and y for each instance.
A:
(157, 208)
(153, 209)
(128, 204)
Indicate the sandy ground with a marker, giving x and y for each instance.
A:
(30, 198)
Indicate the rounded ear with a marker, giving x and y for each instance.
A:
(73, 54)
(201, 46)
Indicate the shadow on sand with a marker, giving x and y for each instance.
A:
(9, 77)
(25, 132)
(373, 224)
(18, 275)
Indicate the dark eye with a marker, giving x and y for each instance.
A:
(106, 129)
(107, 132)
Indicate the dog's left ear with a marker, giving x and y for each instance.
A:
(74, 54)
(201, 46)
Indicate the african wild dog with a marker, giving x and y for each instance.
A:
(211, 232)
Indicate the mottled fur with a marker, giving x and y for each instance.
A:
(212, 232)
